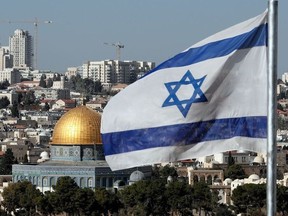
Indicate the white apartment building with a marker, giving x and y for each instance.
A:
(114, 71)
(72, 71)
(50, 93)
(36, 74)
(21, 48)
(11, 74)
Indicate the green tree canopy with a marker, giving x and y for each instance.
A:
(64, 196)
(231, 160)
(168, 171)
(235, 171)
(145, 196)
(22, 196)
(252, 196)
(4, 84)
(203, 198)
(46, 107)
(14, 109)
(49, 82)
(108, 202)
(86, 203)
(179, 197)
(4, 102)
(282, 199)
(6, 163)
(42, 82)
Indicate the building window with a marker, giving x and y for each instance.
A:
(104, 182)
(52, 181)
(243, 159)
(90, 182)
(45, 181)
(97, 182)
(110, 182)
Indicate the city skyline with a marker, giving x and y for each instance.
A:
(150, 31)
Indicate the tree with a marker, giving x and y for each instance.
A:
(46, 107)
(28, 99)
(231, 160)
(56, 77)
(168, 171)
(202, 197)
(4, 102)
(22, 196)
(282, 199)
(47, 203)
(85, 86)
(235, 171)
(42, 82)
(4, 84)
(252, 196)
(223, 209)
(6, 163)
(108, 202)
(49, 83)
(179, 197)
(86, 202)
(64, 195)
(14, 109)
(145, 196)
(282, 125)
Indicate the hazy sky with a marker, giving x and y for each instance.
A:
(150, 30)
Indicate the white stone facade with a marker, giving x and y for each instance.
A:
(111, 71)
(21, 47)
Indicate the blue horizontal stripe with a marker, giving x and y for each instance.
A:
(256, 37)
(184, 134)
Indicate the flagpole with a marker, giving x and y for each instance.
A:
(271, 128)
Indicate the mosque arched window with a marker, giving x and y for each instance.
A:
(52, 181)
(209, 180)
(45, 181)
(82, 182)
(90, 182)
(202, 178)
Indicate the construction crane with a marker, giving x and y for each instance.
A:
(36, 23)
(118, 46)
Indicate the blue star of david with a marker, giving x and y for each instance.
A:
(185, 104)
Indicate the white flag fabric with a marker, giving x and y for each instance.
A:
(210, 98)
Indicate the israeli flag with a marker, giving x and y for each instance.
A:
(210, 98)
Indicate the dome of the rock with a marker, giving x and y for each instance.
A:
(79, 126)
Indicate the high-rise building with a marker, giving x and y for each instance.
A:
(21, 47)
(114, 71)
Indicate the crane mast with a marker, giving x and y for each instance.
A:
(118, 46)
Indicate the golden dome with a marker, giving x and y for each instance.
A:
(79, 126)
